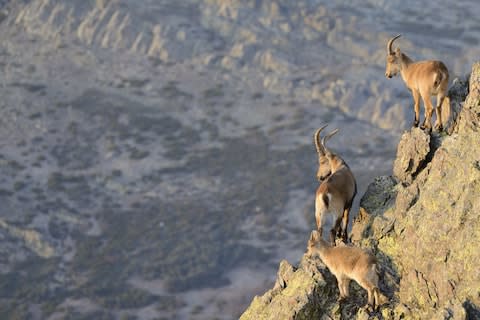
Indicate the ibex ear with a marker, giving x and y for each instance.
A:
(398, 52)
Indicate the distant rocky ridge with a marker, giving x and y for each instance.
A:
(256, 41)
(423, 225)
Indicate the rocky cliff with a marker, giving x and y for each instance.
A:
(423, 225)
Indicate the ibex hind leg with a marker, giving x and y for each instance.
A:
(336, 231)
(372, 296)
(343, 287)
(319, 223)
(427, 125)
(319, 216)
(376, 294)
(333, 233)
(438, 112)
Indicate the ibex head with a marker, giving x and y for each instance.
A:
(324, 155)
(315, 238)
(393, 59)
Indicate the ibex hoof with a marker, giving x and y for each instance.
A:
(370, 309)
(426, 129)
(415, 124)
(439, 127)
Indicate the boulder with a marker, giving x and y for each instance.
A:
(412, 152)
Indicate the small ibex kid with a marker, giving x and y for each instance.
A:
(347, 263)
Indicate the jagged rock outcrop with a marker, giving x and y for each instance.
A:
(411, 156)
(423, 226)
(284, 302)
(306, 292)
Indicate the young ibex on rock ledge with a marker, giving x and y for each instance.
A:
(347, 263)
(424, 79)
(334, 196)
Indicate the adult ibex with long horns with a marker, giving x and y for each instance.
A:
(424, 79)
(334, 196)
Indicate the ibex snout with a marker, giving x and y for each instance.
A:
(388, 75)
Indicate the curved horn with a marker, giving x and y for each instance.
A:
(325, 139)
(314, 235)
(390, 42)
(316, 140)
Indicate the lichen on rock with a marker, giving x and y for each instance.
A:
(298, 293)
(412, 152)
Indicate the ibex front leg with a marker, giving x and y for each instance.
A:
(318, 216)
(416, 106)
(346, 214)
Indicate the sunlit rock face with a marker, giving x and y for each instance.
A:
(423, 229)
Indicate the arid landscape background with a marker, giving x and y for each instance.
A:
(156, 157)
